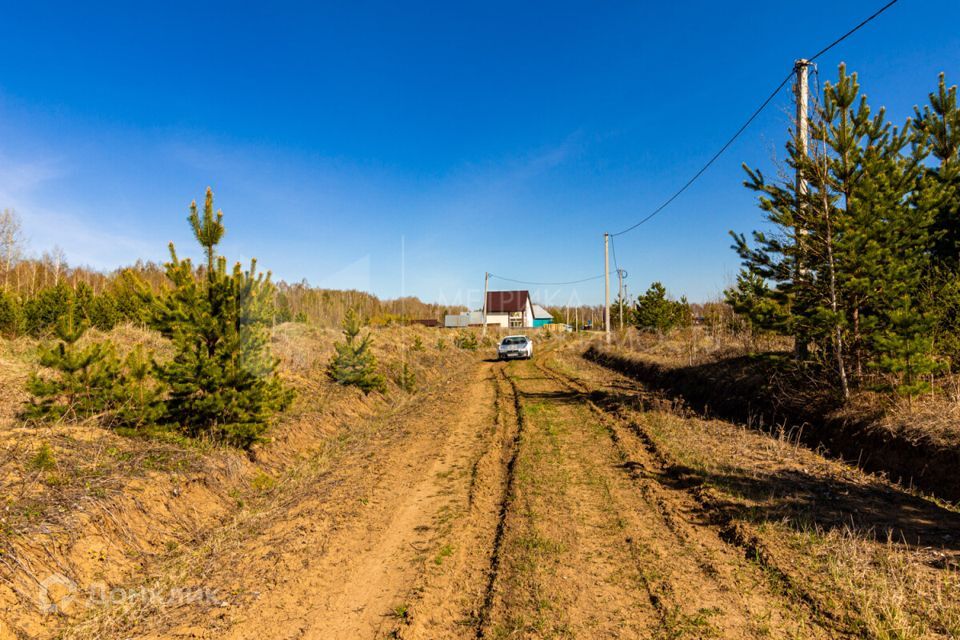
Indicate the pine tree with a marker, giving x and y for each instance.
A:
(752, 299)
(620, 308)
(938, 128)
(466, 340)
(904, 347)
(405, 378)
(42, 312)
(83, 381)
(223, 380)
(11, 314)
(655, 312)
(850, 256)
(353, 363)
(140, 396)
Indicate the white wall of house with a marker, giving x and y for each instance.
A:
(528, 314)
(502, 319)
(498, 319)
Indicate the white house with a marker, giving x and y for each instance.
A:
(509, 309)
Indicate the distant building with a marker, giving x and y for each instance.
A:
(541, 316)
(509, 309)
(465, 319)
(506, 309)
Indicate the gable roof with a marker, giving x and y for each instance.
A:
(541, 313)
(506, 301)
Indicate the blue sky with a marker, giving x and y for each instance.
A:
(412, 146)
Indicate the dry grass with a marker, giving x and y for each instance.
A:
(895, 595)
(696, 345)
(97, 506)
(882, 586)
(934, 417)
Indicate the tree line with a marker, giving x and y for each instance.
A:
(861, 265)
(36, 292)
(221, 382)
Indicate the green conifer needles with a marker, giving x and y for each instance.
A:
(353, 363)
(221, 382)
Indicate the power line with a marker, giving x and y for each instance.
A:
(852, 31)
(713, 159)
(545, 284)
(752, 117)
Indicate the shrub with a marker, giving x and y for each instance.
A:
(140, 395)
(353, 363)
(11, 314)
(43, 459)
(103, 313)
(42, 312)
(405, 378)
(84, 380)
(466, 340)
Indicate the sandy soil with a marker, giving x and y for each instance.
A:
(554, 499)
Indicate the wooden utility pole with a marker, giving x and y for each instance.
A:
(606, 280)
(802, 94)
(483, 313)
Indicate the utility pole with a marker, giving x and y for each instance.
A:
(606, 280)
(621, 274)
(483, 313)
(802, 93)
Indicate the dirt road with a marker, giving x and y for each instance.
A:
(532, 502)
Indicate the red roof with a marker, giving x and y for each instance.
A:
(506, 301)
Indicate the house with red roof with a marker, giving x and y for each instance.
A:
(509, 309)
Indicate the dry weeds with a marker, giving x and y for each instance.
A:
(87, 503)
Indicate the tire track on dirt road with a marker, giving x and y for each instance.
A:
(724, 554)
(566, 570)
(456, 486)
(454, 598)
(346, 559)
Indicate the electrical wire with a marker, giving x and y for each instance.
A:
(852, 31)
(752, 117)
(547, 284)
(715, 156)
(713, 159)
(613, 248)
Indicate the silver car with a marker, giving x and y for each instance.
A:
(515, 347)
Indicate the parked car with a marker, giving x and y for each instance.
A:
(515, 347)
